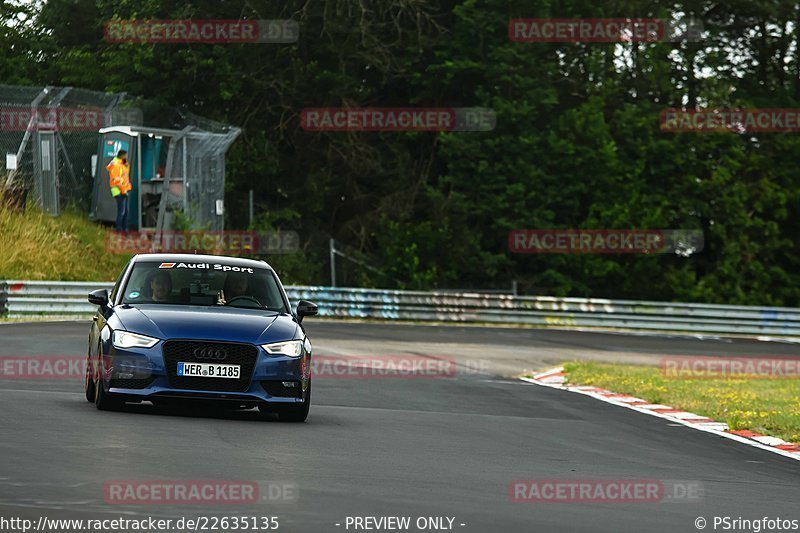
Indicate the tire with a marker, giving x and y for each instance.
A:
(88, 385)
(296, 413)
(103, 400)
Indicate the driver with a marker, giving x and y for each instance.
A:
(236, 285)
(160, 283)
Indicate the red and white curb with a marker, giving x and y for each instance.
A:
(556, 379)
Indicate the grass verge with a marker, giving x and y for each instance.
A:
(37, 246)
(767, 406)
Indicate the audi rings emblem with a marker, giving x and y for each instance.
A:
(210, 354)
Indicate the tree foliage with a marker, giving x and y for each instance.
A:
(577, 142)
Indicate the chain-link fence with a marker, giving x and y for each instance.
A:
(50, 145)
(202, 156)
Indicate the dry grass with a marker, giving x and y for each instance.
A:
(36, 246)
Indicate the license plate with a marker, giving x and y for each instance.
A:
(208, 370)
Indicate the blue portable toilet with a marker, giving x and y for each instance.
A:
(186, 165)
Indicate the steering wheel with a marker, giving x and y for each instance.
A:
(243, 297)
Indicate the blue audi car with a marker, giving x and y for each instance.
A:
(179, 327)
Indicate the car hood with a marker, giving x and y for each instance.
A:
(207, 323)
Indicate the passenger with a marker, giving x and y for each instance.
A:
(160, 285)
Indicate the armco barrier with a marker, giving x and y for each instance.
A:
(28, 298)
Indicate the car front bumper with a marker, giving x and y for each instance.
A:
(141, 374)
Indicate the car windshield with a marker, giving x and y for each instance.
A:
(216, 284)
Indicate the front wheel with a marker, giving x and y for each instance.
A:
(104, 400)
(88, 385)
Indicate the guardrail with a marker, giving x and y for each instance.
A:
(62, 298)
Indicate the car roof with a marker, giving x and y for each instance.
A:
(201, 258)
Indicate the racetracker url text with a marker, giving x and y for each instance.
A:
(142, 525)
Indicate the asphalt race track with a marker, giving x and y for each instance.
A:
(448, 447)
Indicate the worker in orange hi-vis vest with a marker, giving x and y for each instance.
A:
(120, 182)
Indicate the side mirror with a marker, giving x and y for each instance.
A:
(99, 297)
(306, 308)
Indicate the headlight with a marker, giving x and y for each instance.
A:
(290, 348)
(126, 339)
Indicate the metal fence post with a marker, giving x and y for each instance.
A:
(333, 262)
(250, 206)
(33, 120)
(3, 298)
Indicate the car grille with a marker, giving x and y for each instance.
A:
(227, 353)
(133, 383)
